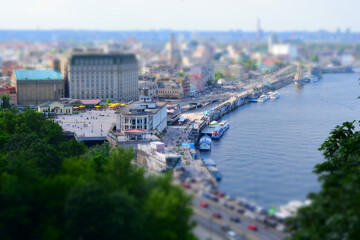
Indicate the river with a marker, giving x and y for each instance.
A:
(268, 154)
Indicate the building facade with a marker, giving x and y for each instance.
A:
(142, 115)
(9, 91)
(148, 89)
(8, 67)
(204, 70)
(156, 157)
(56, 107)
(34, 87)
(173, 87)
(102, 76)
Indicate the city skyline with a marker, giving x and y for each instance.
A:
(277, 15)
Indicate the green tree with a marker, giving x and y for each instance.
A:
(218, 76)
(335, 211)
(5, 101)
(52, 188)
(314, 58)
(250, 65)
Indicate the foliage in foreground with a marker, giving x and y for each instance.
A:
(335, 211)
(51, 188)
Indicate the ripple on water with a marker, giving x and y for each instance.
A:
(270, 150)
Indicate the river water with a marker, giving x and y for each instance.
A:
(268, 154)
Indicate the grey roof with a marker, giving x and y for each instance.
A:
(117, 58)
(47, 104)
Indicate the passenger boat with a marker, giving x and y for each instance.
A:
(225, 124)
(205, 143)
(220, 130)
(274, 95)
(215, 173)
(253, 99)
(313, 79)
(263, 98)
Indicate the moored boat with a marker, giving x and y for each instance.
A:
(263, 98)
(274, 95)
(313, 79)
(205, 143)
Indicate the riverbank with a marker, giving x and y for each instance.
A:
(269, 152)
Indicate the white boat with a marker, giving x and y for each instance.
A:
(225, 124)
(313, 79)
(263, 98)
(274, 95)
(205, 143)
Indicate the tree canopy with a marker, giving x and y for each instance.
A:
(53, 188)
(335, 211)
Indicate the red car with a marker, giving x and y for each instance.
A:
(204, 204)
(216, 215)
(220, 194)
(186, 185)
(253, 227)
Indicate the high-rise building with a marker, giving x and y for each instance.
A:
(102, 76)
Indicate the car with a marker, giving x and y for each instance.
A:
(259, 218)
(240, 210)
(206, 195)
(225, 228)
(204, 204)
(229, 206)
(270, 223)
(215, 199)
(249, 215)
(220, 194)
(216, 215)
(186, 185)
(281, 228)
(253, 227)
(235, 219)
(232, 235)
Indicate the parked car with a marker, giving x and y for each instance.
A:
(186, 185)
(216, 215)
(235, 219)
(253, 227)
(215, 199)
(206, 195)
(229, 206)
(249, 215)
(204, 204)
(220, 194)
(281, 228)
(270, 223)
(225, 228)
(232, 235)
(229, 198)
(240, 210)
(259, 218)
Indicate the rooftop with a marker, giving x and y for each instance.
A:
(116, 58)
(38, 75)
(135, 106)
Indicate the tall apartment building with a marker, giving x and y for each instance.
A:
(102, 76)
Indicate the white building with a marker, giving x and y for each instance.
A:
(156, 157)
(150, 116)
(204, 70)
(102, 76)
(283, 50)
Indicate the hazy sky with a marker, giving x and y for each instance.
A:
(275, 15)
